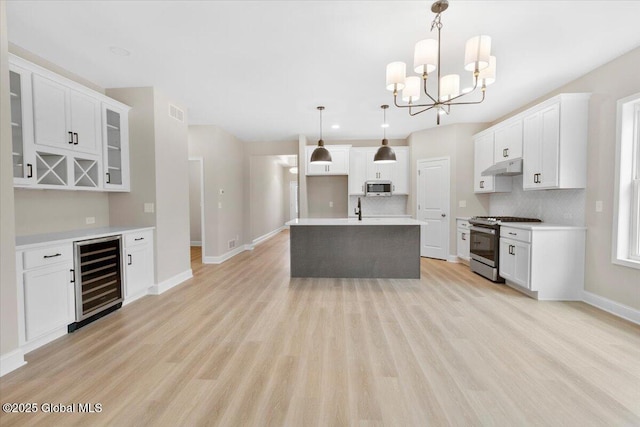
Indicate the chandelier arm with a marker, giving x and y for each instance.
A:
(421, 111)
(424, 88)
(467, 103)
(395, 102)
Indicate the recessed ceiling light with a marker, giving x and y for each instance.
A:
(384, 125)
(119, 51)
(293, 170)
(336, 126)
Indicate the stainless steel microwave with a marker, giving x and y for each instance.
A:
(377, 188)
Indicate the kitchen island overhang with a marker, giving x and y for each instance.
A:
(385, 248)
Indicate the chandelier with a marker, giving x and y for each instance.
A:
(426, 59)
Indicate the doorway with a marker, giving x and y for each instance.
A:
(433, 207)
(196, 205)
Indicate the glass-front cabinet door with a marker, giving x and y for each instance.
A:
(116, 148)
(21, 126)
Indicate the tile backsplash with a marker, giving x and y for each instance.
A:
(565, 207)
(394, 205)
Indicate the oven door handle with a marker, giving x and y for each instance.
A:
(483, 230)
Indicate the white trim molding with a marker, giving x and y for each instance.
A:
(248, 247)
(11, 361)
(267, 236)
(170, 282)
(196, 243)
(615, 308)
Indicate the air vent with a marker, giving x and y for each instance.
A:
(232, 244)
(176, 113)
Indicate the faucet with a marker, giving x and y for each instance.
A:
(358, 210)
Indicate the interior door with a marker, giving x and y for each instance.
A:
(433, 207)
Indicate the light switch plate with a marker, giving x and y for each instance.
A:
(330, 204)
(221, 191)
(598, 205)
(149, 208)
(219, 205)
(90, 220)
(462, 203)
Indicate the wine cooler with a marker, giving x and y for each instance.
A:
(98, 271)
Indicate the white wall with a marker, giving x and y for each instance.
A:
(266, 194)
(455, 142)
(222, 154)
(195, 211)
(8, 291)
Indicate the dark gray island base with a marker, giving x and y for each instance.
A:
(355, 250)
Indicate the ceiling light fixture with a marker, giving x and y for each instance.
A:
(426, 59)
(385, 154)
(293, 170)
(321, 155)
(119, 51)
(336, 126)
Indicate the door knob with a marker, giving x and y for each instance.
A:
(443, 215)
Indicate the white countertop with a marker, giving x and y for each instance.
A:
(464, 218)
(538, 226)
(354, 221)
(24, 242)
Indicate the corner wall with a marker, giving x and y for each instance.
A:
(455, 142)
(8, 291)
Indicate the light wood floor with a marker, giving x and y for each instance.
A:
(243, 344)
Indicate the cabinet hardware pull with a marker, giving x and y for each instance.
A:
(481, 184)
(75, 134)
(504, 153)
(464, 236)
(70, 137)
(507, 151)
(130, 259)
(513, 250)
(513, 234)
(108, 178)
(139, 238)
(52, 256)
(73, 276)
(30, 167)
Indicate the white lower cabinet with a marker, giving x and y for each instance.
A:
(46, 293)
(545, 262)
(463, 245)
(138, 264)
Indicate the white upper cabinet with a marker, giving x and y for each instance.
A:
(65, 136)
(65, 118)
(362, 168)
(508, 141)
(23, 157)
(116, 147)
(555, 143)
(339, 161)
(483, 158)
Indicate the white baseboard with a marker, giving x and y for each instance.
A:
(136, 297)
(170, 282)
(620, 310)
(222, 258)
(196, 243)
(453, 258)
(267, 236)
(11, 361)
(248, 247)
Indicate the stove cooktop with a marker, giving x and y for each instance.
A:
(494, 220)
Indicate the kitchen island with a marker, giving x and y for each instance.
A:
(346, 247)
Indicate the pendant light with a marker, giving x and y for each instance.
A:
(321, 155)
(385, 154)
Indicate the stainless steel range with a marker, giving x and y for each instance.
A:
(485, 244)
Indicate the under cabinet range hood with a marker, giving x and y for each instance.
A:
(506, 168)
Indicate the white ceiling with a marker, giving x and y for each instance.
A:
(258, 69)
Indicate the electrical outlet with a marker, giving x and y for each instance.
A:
(219, 205)
(149, 208)
(598, 205)
(221, 191)
(567, 215)
(330, 204)
(90, 220)
(462, 203)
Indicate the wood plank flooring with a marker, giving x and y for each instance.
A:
(242, 344)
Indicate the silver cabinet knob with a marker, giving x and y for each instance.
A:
(443, 215)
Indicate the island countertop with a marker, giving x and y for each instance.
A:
(354, 221)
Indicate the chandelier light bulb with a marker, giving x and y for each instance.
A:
(396, 72)
(477, 52)
(487, 76)
(411, 92)
(425, 56)
(449, 86)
